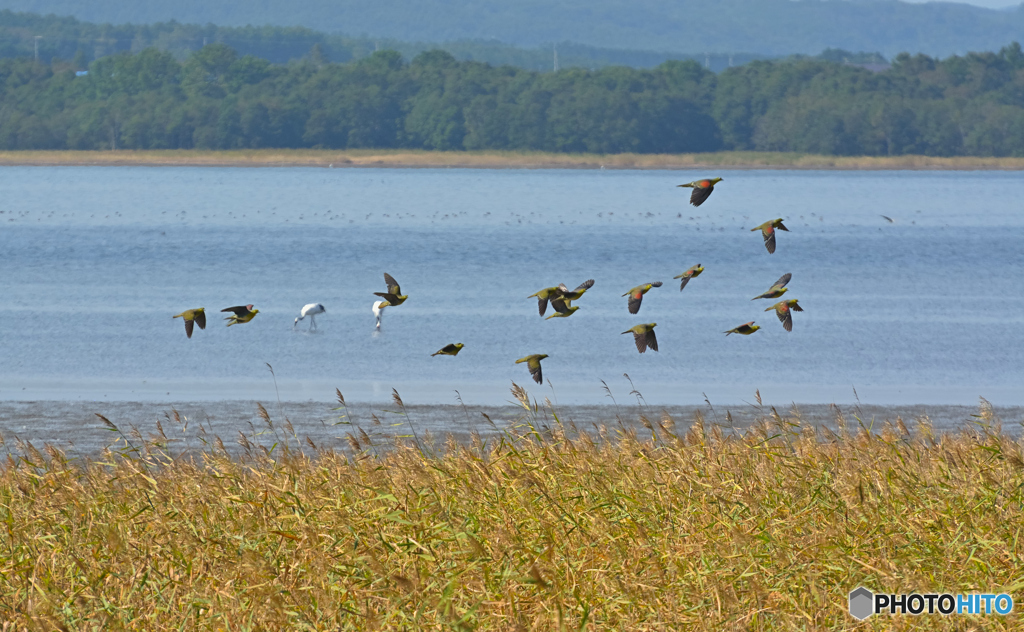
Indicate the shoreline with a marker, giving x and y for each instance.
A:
(422, 159)
(76, 428)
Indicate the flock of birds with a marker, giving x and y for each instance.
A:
(560, 298)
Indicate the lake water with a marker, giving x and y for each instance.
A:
(94, 262)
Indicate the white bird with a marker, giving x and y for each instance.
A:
(310, 310)
(378, 310)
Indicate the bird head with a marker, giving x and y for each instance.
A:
(573, 308)
(542, 356)
(698, 269)
(755, 327)
(792, 302)
(255, 311)
(783, 291)
(200, 310)
(651, 325)
(715, 181)
(459, 345)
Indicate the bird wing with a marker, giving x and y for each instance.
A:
(390, 298)
(392, 284)
(781, 226)
(586, 285)
(652, 341)
(641, 341)
(781, 283)
(797, 308)
(785, 317)
(542, 305)
(787, 320)
(769, 241)
(656, 284)
(200, 319)
(239, 310)
(685, 280)
(188, 327)
(534, 366)
(636, 297)
(701, 191)
(558, 304)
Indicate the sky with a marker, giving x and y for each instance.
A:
(991, 4)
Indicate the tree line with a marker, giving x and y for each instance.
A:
(218, 99)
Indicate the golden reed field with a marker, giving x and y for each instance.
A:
(498, 159)
(684, 524)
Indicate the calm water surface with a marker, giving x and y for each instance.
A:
(94, 262)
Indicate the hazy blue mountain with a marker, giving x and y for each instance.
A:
(769, 27)
(53, 37)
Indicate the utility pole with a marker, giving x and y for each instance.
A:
(37, 38)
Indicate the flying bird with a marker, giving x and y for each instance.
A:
(449, 349)
(565, 296)
(310, 310)
(778, 289)
(768, 231)
(701, 189)
(636, 295)
(746, 329)
(784, 310)
(378, 310)
(694, 271)
(643, 336)
(533, 363)
(543, 296)
(569, 311)
(195, 316)
(394, 294)
(243, 314)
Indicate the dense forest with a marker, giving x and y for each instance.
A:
(216, 98)
(27, 34)
(766, 27)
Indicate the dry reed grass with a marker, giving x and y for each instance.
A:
(545, 527)
(499, 159)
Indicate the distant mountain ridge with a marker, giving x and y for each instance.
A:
(768, 27)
